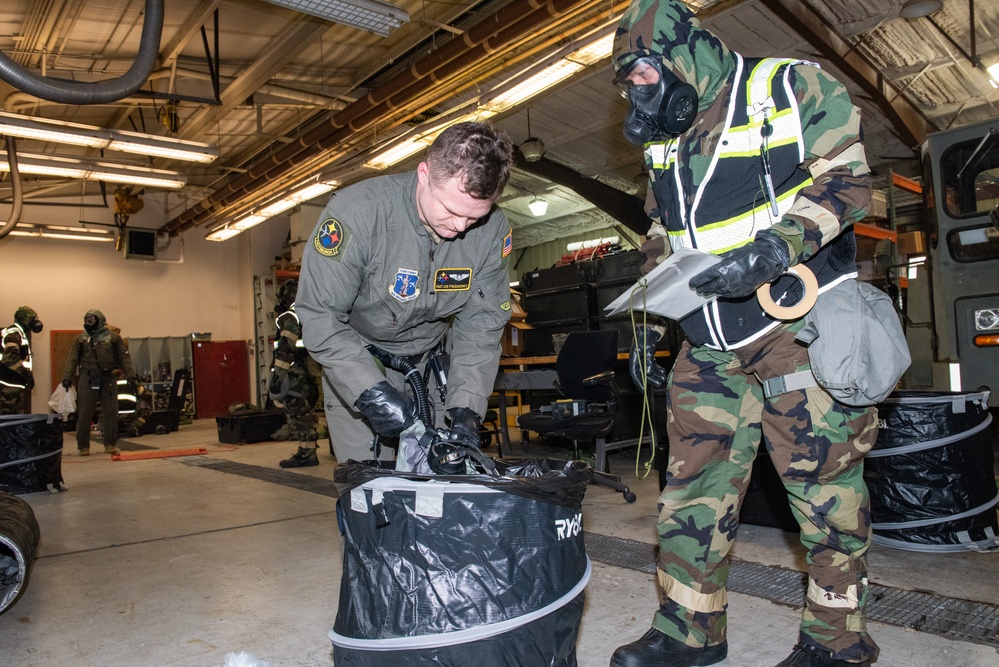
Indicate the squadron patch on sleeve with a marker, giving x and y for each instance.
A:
(332, 238)
(453, 280)
(404, 288)
(508, 243)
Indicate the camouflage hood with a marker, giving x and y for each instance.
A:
(101, 331)
(24, 316)
(669, 30)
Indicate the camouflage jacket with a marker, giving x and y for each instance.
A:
(815, 223)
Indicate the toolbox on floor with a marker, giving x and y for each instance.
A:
(247, 428)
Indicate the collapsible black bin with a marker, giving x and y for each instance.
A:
(931, 475)
(30, 453)
(19, 537)
(455, 571)
(249, 428)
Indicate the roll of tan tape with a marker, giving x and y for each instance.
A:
(798, 310)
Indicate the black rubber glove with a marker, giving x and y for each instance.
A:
(277, 389)
(465, 426)
(643, 353)
(744, 269)
(389, 410)
(66, 384)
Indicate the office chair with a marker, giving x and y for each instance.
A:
(588, 407)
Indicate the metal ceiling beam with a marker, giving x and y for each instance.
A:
(626, 209)
(908, 120)
(285, 48)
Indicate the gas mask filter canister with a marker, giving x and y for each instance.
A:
(661, 107)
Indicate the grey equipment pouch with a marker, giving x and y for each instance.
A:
(856, 345)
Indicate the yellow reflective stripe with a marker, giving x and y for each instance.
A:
(746, 139)
(739, 230)
(660, 154)
(686, 596)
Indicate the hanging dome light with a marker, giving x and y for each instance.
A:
(538, 206)
(914, 9)
(533, 148)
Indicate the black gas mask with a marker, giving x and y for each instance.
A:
(660, 103)
(36, 326)
(90, 323)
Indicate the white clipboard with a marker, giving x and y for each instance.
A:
(666, 291)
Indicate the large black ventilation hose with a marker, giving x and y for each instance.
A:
(424, 408)
(18, 540)
(101, 92)
(15, 181)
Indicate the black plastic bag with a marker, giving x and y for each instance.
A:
(931, 473)
(30, 453)
(461, 570)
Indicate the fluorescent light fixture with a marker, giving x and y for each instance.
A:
(538, 207)
(573, 63)
(304, 194)
(222, 233)
(374, 16)
(46, 129)
(401, 151)
(65, 167)
(421, 140)
(59, 232)
(504, 100)
(993, 71)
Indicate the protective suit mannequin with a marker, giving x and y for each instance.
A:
(292, 386)
(102, 359)
(759, 161)
(16, 377)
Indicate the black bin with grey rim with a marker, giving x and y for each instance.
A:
(463, 570)
(931, 474)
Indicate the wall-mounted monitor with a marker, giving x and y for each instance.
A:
(140, 244)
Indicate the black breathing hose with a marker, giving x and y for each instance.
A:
(424, 407)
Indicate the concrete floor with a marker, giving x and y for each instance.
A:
(165, 562)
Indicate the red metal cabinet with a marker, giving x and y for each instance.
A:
(221, 376)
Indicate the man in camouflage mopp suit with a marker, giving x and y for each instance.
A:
(291, 386)
(759, 161)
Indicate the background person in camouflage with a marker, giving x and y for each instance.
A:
(16, 377)
(291, 386)
(102, 359)
(761, 162)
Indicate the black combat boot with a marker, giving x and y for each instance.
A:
(304, 457)
(655, 649)
(807, 656)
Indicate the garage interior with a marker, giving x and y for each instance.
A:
(184, 559)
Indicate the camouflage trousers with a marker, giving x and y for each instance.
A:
(11, 401)
(299, 404)
(716, 417)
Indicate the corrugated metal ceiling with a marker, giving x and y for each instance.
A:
(283, 73)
